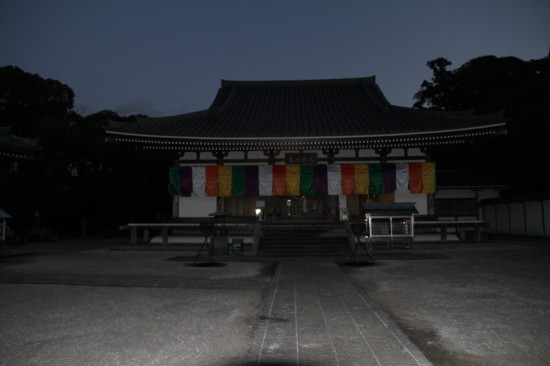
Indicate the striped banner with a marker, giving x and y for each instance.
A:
(302, 180)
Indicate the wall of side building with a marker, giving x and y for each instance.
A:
(518, 216)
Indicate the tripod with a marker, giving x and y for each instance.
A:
(208, 232)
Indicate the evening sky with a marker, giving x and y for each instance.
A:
(167, 57)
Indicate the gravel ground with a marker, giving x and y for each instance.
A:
(95, 325)
(463, 305)
(478, 305)
(101, 307)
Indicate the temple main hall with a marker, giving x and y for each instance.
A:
(303, 148)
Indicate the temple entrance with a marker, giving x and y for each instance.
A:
(274, 207)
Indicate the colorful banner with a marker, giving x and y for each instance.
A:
(334, 180)
(402, 177)
(186, 181)
(320, 180)
(348, 179)
(279, 180)
(388, 175)
(199, 181)
(293, 180)
(415, 177)
(174, 181)
(376, 179)
(361, 178)
(225, 180)
(428, 177)
(252, 183)
(304, 180)
(265, 177)
(238, 180)
(211, 187)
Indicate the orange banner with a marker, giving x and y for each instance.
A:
(415, 177)
(348, 179)
(279, 180)
(211, 173)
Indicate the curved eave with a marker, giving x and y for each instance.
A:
(495, 127)
(409, 139)
(16, 156)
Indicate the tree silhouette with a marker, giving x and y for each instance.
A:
(76, 175)
(521, 90)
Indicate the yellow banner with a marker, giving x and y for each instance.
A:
(225, 180)
(293, 180)
(428, 177)
(361, 178)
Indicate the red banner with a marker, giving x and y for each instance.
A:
(279, 180)
(348, 179)
(415, 177)
(211, 173)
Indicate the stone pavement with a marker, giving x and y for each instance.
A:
(315, 315)
(311, 314)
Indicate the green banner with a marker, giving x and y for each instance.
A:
(376, 179)
(174, 181)
(238, 180)
(306, 180)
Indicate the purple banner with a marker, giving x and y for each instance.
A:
(186, 181)
(320, 185)
(388, 171)
(252, 183)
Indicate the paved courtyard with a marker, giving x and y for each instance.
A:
(483, 304)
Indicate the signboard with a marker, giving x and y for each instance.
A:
(309, 158)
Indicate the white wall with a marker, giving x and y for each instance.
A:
(481, 194)
(421, 200)
(196, 206)
(529, 217)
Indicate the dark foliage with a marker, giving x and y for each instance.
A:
(76, 177)
(521, 90)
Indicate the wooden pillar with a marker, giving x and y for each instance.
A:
(383, 152)
(431, 203)
(271, 155)
(176, 198)
(430, 196)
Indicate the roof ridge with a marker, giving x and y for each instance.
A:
(299, 83)
(166, 119)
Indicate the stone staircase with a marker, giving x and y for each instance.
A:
(303, 239)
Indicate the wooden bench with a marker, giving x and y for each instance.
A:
(443, 225)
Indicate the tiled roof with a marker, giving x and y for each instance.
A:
(294, 109)
(16, 147)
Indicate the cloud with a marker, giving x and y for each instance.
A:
(138, 107)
